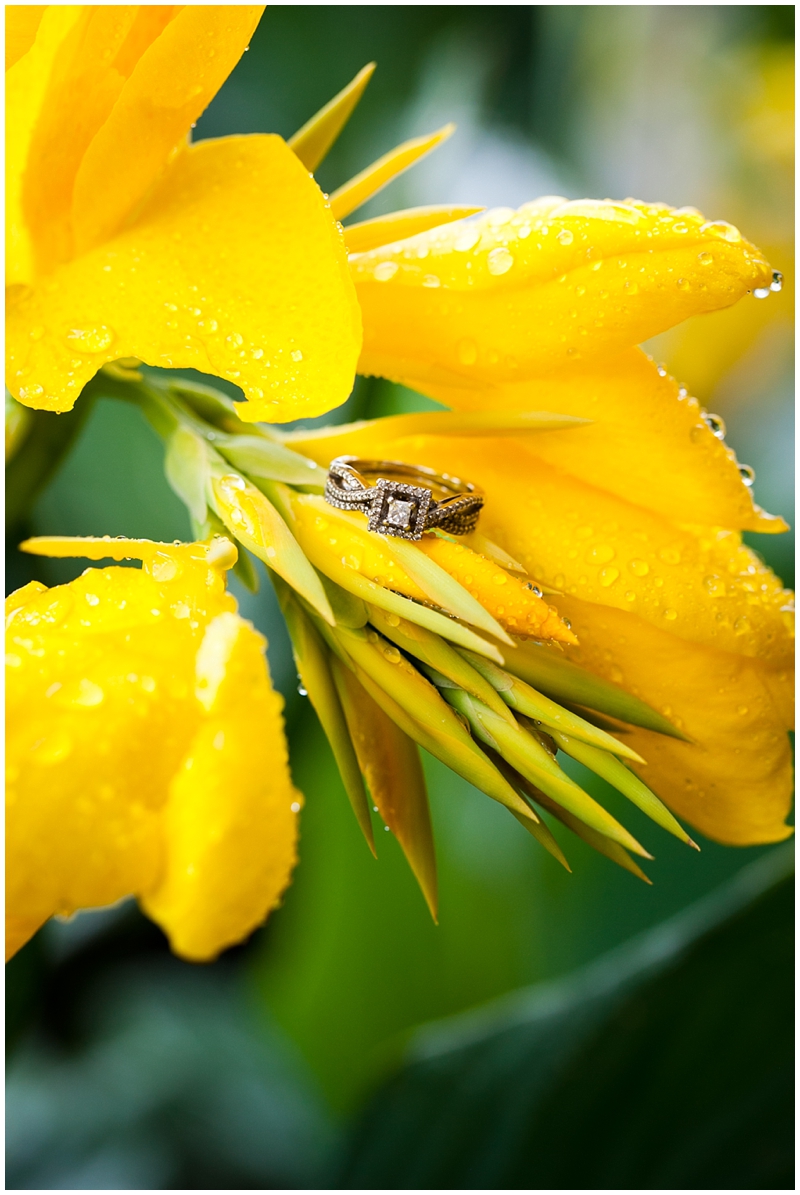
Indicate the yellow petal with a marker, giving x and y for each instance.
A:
(366, 184)
(27, 84)
(511, 295)
(700, 584)
(22, 22)
(646, 441)
(107, 696)
(235, 268)
(230, 822)
(169, 86)
(398, 226)
(734, 781)
(312, 142)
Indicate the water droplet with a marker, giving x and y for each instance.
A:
(164, 568)
(297, 355)
(565, 237)
(499, 261)
(715, 424)
(670, 555)
(91, 340)
(31, 392)
(761, 292)
(670, 615)
(608, 576)
(747, 474)
(567, 623)
(705, 258)
(235, 338)
(295, 806)
(630, 596)
(722, 231)
(742, 625)
(431, 280)
(92, 599)
(302, 691)
(683, 284)
(257, 354)
(392, 619)
(467, 239)
(89, 694)
(467, 351)
(392, 654)
(385, 270)
(600, 554)
(639, 568)
(776, 285)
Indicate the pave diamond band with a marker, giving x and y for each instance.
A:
(403, 500)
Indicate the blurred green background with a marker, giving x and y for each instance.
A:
(129, 1069)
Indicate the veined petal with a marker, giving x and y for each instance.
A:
(229, 825)
(27, 84)
(510, 295)
(646, 440)
(235, 268)
(22, 23)
(734, 781)
(700, 584)
(169, 86)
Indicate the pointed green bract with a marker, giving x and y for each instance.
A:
(390, 763)
(433, 650)
(520, 696)
(259, 457)
(444, 590)
(602, 763)
(561, 679)
(530, 758)
(312, 142)
(425, 717)
(187, 469)
(314, 669)
(254, 521)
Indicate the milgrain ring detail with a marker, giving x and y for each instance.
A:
(403, 500)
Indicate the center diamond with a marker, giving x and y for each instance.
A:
(399, 513)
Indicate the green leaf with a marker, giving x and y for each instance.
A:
(665, 1065)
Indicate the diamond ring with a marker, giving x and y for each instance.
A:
(403, 500)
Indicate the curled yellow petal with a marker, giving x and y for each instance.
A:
(510, 295)
(646, 439)
(114, 684)
(235, 268)
(398, 226)
(312, 142)
(734, 780)
(229, 824)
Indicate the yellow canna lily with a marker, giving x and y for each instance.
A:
(140, 706)
(606, 607)
(123, 240)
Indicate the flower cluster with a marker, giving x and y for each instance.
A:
(606, 607)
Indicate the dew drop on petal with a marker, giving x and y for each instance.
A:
(34, 390)
(608, 576)
(431, 280)
(385, 270)
(297, 355)
(467, 239)
(722, 231)
(761, 292)
(95, 339)
(565, 237)
(670, 615)
(705, 258)
(747, 474)
(742, 625)
(639, 568)
(499, 261)
(777, 283)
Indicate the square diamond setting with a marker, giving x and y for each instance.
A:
(398, 509)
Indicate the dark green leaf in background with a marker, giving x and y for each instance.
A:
(667, 1064)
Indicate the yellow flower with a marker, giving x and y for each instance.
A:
(145, 749)
(123, 240)
(607, 588)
